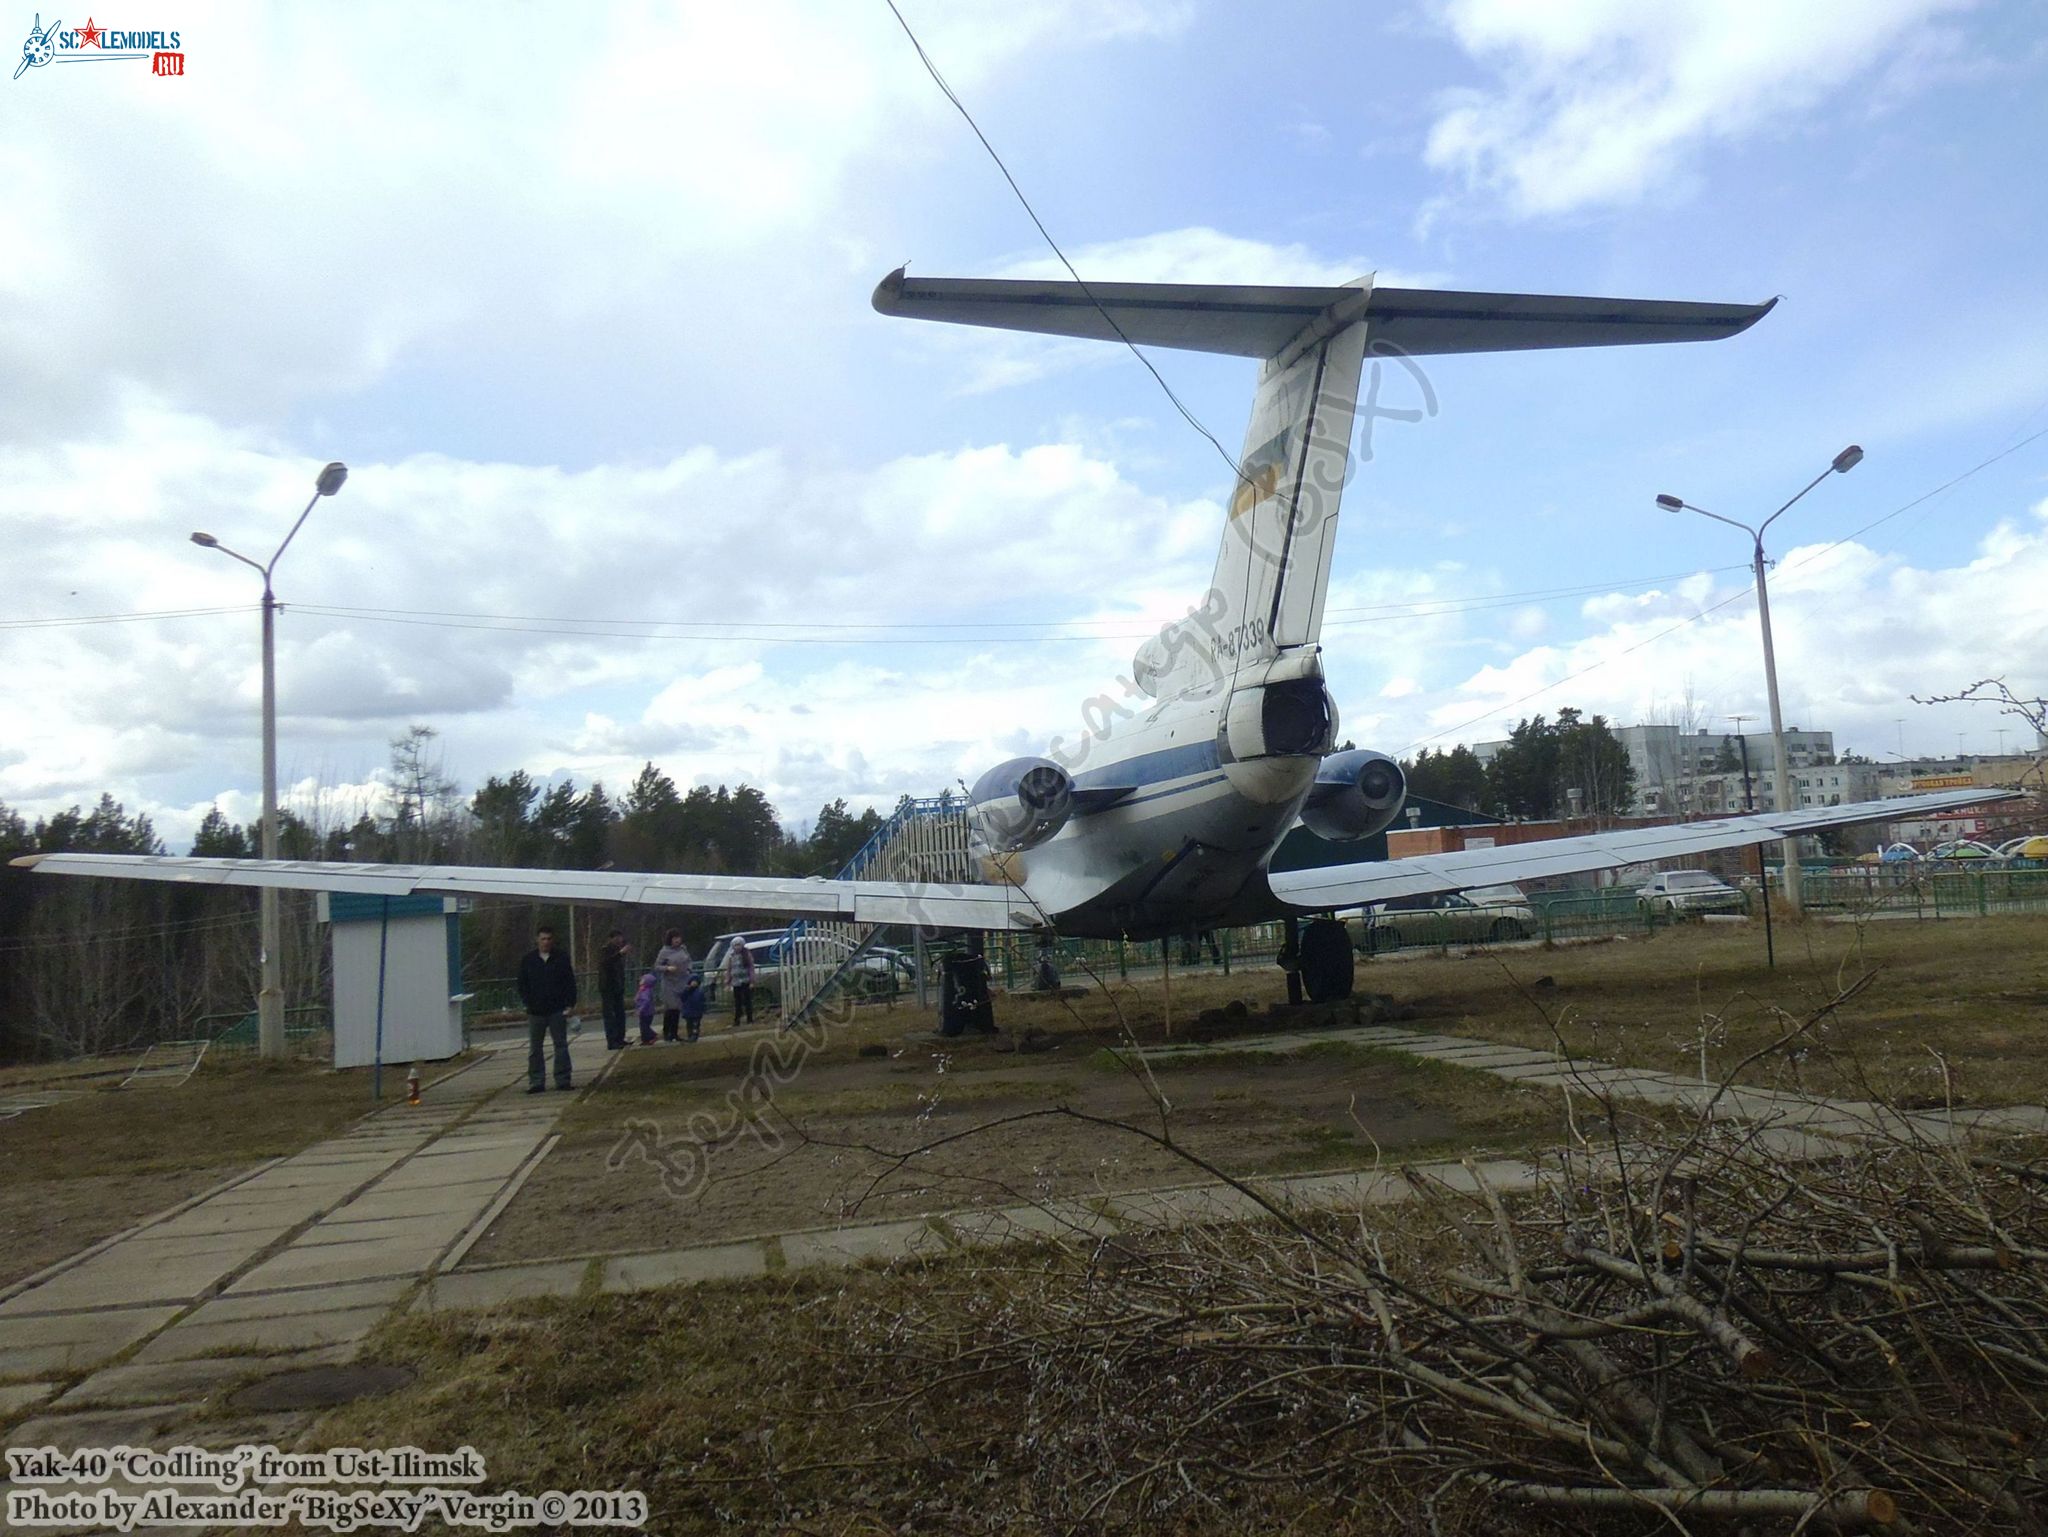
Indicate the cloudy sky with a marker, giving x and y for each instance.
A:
(581, 297)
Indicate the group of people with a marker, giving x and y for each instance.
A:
(674, 984)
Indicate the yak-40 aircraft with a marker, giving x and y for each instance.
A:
(1167, 821)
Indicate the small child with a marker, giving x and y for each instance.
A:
(694, 1003)
(643, 1004)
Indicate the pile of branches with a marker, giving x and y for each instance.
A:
(1691, 1332)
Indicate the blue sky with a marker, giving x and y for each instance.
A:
(582, 298)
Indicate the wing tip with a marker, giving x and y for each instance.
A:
(888, 295)
(27, 861)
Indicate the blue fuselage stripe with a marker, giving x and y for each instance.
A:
(1153, 768)
(1154, 795)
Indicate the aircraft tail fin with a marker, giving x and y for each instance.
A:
(1273, 570)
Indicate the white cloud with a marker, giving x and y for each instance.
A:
(1857, 632)
(163, 713)
(1606, 101)
(316, 203)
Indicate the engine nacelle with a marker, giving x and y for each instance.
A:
(1019, 804)
(1279, 718)
(1356, 794)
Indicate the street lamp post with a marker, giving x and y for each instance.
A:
(1763, 880)
(270, 995)
(1781, 779)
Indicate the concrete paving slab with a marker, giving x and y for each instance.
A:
(879, 1241)
(18, 1396)
(1183, 1208)
(138, 1383)
(487, 1288)
(122, 1326)
(411, 1231)
(160, 1248)
(335, 1264)
(112, 1280)
(271, 1217)
(458, 1169)
(1488, 1058)
(682, 1267)
(381, 1204)
(101, 1427)
(492, 1141)
(233, 1308)
(1002, 1224)
(198, 1336)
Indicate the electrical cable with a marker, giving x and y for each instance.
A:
(1236, 472)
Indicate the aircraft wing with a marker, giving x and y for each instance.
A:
(925, 903)
(1335, 886)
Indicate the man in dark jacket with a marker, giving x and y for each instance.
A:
(547, 986)
(611, 990)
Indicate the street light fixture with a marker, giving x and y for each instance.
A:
(270, 997)
(1781, 779)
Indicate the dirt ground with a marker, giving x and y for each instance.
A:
(835, 1144)
(1953, 1008)
(86, 1167)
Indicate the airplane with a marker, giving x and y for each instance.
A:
(1165, 818)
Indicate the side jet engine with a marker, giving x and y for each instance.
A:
(1356, 794)
(1019, 804)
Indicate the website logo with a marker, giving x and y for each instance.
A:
(93, 43)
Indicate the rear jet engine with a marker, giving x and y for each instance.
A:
(1356, 794)
(1019, 804)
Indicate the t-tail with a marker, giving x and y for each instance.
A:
(1272, 575)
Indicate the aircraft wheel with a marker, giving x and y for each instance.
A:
(1326, 961)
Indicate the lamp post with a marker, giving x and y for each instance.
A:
(270, 996)
(1763, 880)
(1781, 778)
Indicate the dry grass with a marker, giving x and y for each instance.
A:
(89, 1166)
(1957, 1006)
(822, 1154)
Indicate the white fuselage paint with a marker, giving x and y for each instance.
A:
(1188, 847)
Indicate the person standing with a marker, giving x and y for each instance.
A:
(643, 1005)
(547, 986)
(611, 990)
(693, 1005)
(672, 965)
(739, 977)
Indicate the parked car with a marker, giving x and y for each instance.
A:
(1685, 893)
(880, 968)
(1485, 914)
(765, 945)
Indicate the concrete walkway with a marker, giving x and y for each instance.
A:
(306, 1254)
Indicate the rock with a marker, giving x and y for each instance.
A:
(874, 1049)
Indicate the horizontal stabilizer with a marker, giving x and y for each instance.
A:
(927, 904)
(1260, 322)
(1333, 886)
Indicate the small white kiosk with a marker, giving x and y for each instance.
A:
(405, 954)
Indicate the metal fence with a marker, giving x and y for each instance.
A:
(1554, 916)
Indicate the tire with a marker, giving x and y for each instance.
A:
(1326, 961)
(1506, 930)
